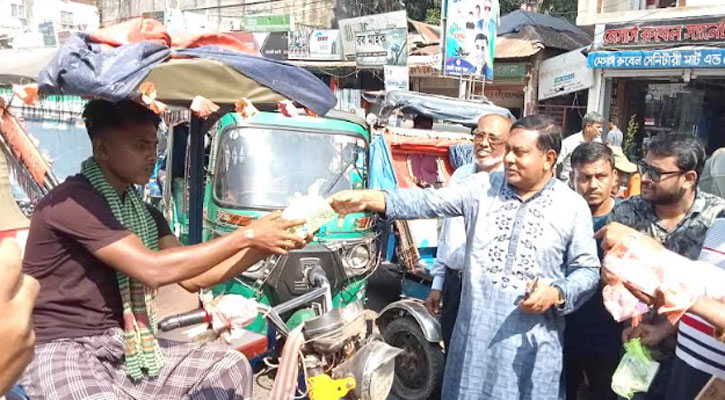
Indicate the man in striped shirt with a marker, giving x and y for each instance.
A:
(699, 354)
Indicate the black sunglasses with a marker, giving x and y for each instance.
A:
(655, 173)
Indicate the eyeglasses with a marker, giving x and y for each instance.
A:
(480, 137)
(655, 173)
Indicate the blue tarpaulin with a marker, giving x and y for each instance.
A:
(83, 67)
(382, 175)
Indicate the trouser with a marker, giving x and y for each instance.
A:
(685, 382)
(598, 370)
(451, 301)
(92, 368)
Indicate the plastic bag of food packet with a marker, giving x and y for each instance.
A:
(635, 371)
(313, 209)
(650, 269)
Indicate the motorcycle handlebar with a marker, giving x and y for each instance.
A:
(185, 319)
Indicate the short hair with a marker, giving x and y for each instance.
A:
(481, 36)
(688, 151)
(587, 153)
(613, 119)
(101, 116)
(478, 7)
(422, 120)
(549, 132)
(592, 117)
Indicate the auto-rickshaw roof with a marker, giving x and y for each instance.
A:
(439, 107)
(334, 121)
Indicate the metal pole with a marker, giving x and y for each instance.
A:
(444, 34)
(196, 179)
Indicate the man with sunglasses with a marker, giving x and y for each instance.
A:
(489, 147)
(671, 210)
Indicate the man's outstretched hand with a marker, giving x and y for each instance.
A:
(271, 234)
(17, 298)
(353, 201)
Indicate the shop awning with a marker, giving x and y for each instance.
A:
(691, 57)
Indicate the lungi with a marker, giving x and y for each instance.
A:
(91, 368)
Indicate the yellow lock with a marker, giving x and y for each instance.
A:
(323, 387)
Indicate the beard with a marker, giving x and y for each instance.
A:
(489, 162)
(664, 199)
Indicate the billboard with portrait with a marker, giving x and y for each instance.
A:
(470, 37)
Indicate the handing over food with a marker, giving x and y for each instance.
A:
(639, 271)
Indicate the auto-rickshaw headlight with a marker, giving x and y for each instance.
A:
(358, 259)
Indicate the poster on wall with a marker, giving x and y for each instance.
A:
(350, 27)
(383, 47)
(315, 45)
(274, 45)
(396, 78)
(470, 37)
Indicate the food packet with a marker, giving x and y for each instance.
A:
(650, 269)
(313, 209)
(635, 371)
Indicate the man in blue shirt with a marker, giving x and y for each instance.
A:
(592, 339)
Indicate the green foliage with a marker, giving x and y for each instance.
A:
(433, 16)
(630, 137)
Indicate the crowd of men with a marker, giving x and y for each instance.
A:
(517, 281)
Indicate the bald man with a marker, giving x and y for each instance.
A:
(489, 146)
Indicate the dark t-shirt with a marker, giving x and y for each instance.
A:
(78, 293)
(591, 329)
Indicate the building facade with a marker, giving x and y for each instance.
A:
(221, 15)
(659, 67)
(36, 23)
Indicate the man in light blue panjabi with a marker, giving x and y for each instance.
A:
(530, 259)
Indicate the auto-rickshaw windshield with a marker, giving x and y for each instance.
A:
(266, 168)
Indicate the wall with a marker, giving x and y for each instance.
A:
(224, 15)
(591, 12)
(81, 16)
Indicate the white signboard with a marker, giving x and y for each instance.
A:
(396, 78)
(315, 45)
(564, 74)
(384, 47)
(349, 28)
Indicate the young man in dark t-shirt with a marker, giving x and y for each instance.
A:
(78, 251)
(592, 339)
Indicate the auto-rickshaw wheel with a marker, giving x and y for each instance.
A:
(419, 369)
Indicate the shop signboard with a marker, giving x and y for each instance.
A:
(470, 37)
(679, 31)
(510, 71)
(274, 45)
(658, 59)
(396, 78)
(350, 27)
(564, 74)
(268, 23)
(315, 45)
(383, 47)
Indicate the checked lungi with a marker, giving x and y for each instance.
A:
(91, 368)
